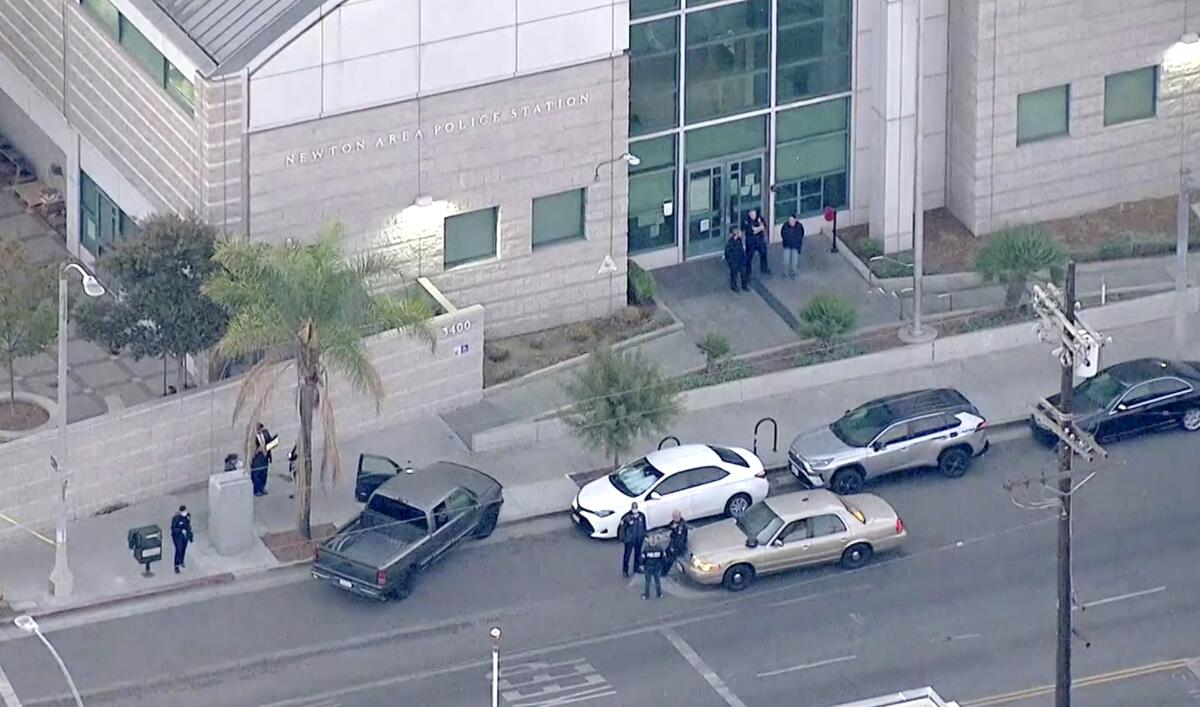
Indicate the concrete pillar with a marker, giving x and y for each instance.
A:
(893, 114)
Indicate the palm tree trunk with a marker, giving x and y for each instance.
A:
(12, 388)
(1012, 294)
(308, 403)
(181, 374)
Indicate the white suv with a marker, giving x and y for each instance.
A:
(698, 480)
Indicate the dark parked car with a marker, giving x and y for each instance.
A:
(412, 518)
(1135, 397)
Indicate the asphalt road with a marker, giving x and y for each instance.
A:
(967, 607)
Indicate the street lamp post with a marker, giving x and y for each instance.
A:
(61, 580)
(495, 634)
(1183, 223)
(29, 625)
(917, 332)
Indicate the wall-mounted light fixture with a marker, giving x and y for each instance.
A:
(632, 159)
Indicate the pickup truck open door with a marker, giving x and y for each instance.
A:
(373, 472)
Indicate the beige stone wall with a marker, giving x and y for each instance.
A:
(160, 446)
(498, 145)
(999, 50)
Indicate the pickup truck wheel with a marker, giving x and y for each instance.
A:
(487, 524)
(404, 584)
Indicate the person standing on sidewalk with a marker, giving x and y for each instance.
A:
(632, 533)
(652, 567)
(792, 234)
(677, 545)
(260, 464)
(181, 535)
(737, 260)
(756, 242)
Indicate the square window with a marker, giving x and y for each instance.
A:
(1131, 95)
(470, 236)
(180, 88)
(558, 217)
(143, 51)
(1043, 114)
(106, 13)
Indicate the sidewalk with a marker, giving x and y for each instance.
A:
(1001, 384)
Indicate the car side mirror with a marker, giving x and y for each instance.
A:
(878, 446)
(655, 496)
(777, 543)
(1122, 407)
(751, 542)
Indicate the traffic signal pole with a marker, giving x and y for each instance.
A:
(1066, 395)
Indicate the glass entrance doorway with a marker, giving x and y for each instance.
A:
(718, 197)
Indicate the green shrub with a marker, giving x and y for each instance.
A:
(580, 332)
(1116, 246)
(715, 348)
(640, 287)
(496, 354)
(1014, 256)
(869, 248)
(827, 318)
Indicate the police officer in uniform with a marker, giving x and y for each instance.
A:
(653, 558)
(677, 546)
(632, 532)
(181, 535)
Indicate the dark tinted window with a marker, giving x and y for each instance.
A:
(1168, 386)
(708, 475)
(858, 427)
(399, 511)
(1138, 394)
(895, 434)
(931, 424)
(826, 525)
(730, 457)
(678, 482)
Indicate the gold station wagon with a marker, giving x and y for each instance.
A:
(793, 530)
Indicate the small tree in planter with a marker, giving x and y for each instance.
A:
(716, 349)
(1015, 256)
(827, 319)
(617, 399)
(28, 318)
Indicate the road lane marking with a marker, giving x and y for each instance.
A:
(545, 684)
(960, 637)
(705, 672)
(807, 666)
(7, 693)
(1090, 681)
(1121, 597)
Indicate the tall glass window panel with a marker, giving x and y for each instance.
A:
(652, 195)
(1043, 114)
(728, 57)
(558, 217)
(1131, 95)
(106, 13)
(646, 8)
(813, 58)
(469, 237)
(727, 139)
(89, 214)
(143, 51)
(654, 76)
(180, 88)
(812, 158)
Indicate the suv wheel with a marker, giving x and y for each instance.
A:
(738, 577)
(954, 462)
(847, 481)
(1191, 419)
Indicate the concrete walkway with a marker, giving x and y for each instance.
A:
(98, 380)
(535, 477)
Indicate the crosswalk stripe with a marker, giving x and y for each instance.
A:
(7, 693)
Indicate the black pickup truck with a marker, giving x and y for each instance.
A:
(411, 519)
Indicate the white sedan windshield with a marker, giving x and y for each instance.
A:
(635, 478)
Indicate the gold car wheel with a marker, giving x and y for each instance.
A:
(857, 556)
(738, 577)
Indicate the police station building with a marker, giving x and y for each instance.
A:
(510, 150)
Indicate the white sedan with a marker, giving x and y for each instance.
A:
(698, 480)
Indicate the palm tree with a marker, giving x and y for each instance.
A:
(308, 307)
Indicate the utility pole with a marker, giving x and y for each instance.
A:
(916, 332)
(1182, 226)
(1079, 354)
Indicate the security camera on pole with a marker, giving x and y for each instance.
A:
(1079, 355)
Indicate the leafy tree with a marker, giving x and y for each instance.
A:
(306, 306)
(617, 399)
(158, 309)
(28, 314)
(1015, 256)
(827, 318)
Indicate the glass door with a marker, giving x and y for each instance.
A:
(706, 211)
(718, 197)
